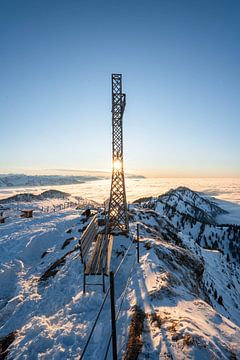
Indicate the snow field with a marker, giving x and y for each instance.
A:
(53, 318)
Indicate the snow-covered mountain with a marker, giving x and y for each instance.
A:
(28, 197)
(186, 202)
(14, 180)
(195, 215)
(181, 300)
(175, 217)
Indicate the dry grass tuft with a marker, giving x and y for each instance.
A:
(155, 320)
(135, 342)
(188, 340)
(148, 245)
(5, 342)
(44, 254)
(67, 242)
(54, 268)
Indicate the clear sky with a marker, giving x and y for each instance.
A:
(180, 62)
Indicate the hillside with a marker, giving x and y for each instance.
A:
(28, 197)
(181, 300)
(196, 216)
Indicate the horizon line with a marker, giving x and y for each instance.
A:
(49, 172)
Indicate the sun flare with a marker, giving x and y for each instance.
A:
(117, 164)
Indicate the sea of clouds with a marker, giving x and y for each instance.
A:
(221, 188)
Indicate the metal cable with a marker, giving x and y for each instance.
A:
(123, 296)
(123, 258)
(104, 300)
(94, 325)
(124, 291)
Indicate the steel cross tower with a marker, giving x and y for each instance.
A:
(117, 211)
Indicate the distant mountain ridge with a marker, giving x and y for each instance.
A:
(191, 203)
(14, 180)
(22, 180)
(49, 194)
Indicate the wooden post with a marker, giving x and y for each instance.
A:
(138, 226)
(103, 279)
(113, 317)
(84, 281)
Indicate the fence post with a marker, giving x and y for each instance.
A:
(138, 242)
(113, 317)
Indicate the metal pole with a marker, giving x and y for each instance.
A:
(84, 278)
(138, 242)
(113, 316)
(103, 279)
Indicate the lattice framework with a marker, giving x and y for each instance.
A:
(117, 212)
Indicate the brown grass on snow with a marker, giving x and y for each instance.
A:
(5, 342)
(54, 268)
(135, 342)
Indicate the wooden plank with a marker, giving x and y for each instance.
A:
(104, 252)
(88, 236)
(109, 254)
(87, 241)
(99, 261)
(96, 266)
(91, 265)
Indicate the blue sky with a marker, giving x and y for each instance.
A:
(180, 62)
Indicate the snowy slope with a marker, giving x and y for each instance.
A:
(197, 216)
(187, 295)
(179, 321)
(188, 202)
